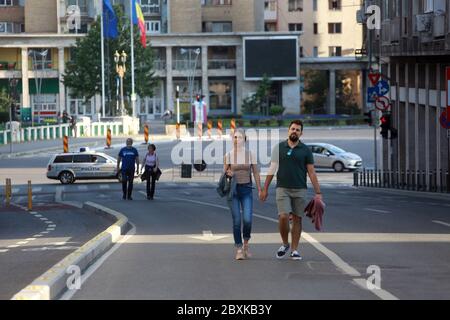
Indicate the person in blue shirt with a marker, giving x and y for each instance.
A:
(129, 156)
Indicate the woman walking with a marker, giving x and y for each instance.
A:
(151, 163)
(240, 163)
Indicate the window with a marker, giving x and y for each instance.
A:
(220, 95)
(6, 27)
(6, 3)
(217, 27)
(83, 158)
(82, 4)
(150, 6)
(98, 159)
(301, 52)
(41, 59)
(428, 6)
(315, 52)
(316, 28)
(295, 5)
(63, 159)
(334, 28)
(216, 2)
(295, 26)
(314, 5)
(334, 4)
(44, 102)
(153, 27)
(335, 51)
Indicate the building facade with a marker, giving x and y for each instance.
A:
(413, 51)
(329, 26)
(198, 44)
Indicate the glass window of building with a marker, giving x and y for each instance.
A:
(221, 95)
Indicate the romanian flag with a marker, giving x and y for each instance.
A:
(138, 18)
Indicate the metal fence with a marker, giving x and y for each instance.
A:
(427, 181)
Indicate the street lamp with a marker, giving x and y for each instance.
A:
(121, 70)
(191, 69)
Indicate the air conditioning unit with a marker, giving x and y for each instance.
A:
(439, 26)
(424, 22)
(360, 17)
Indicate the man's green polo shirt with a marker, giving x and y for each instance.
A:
(292, 168)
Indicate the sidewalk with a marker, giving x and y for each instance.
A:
(29, 148)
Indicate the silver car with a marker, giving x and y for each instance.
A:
(329, 156)
(69, 167)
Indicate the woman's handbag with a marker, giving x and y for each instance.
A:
(158, 174)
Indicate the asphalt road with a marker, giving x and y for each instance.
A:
(32, 242)
(173, 255)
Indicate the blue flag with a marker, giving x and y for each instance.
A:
(109, 21)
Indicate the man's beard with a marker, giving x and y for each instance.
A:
(293, 137)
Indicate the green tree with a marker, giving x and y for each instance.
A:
(5, 104)
(258, 103)
(316, 86)
(83, 72)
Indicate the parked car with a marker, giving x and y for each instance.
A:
(329, 156)
(84, 165)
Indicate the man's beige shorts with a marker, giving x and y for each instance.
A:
(291, 201)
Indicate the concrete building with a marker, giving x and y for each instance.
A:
(413, 51)
(36, 37)
(329, 26)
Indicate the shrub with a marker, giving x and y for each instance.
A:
(276, 110)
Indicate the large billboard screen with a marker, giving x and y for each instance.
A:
(276, 57)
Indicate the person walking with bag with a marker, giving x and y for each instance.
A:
(239, 164)
(151, 165)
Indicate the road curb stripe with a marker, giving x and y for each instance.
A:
(53, 282)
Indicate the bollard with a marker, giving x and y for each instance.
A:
(178, 131)
(200, 130)
(66, 144)
(233, 126)
(219, 128)
(146, 133)
(108, 139)
(30, 196)
(209, 129)
(8, 191)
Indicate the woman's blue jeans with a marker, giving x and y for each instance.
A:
(242, 199)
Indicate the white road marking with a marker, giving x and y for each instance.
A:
(441, 223)
(104, 186)
(13, 246)
(4, 250)
(89, 272)
(45, 232)
(83, 188)
(30, 239)
(38, 216)
(36, 189)
(22, 242)
(335, 259)
(44, 219)
(51, 225)
(382, 294)
(37, 235)
(49, 222)
(376, 210)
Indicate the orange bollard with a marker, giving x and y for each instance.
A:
(210, 125)
(66, 144)
(219, 128)
(30, 196)
(108, 139)
(146, 133)
(233, 126)
(178, 131)
(200, 130)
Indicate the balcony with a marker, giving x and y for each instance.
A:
(270, 11)
(217, 64)
(151, 9)
(9, 69)
(186, 65)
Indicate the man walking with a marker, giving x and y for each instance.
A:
(292, 160)
(129, 156)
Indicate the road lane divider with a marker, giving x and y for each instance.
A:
(344, 267)
(54, 282)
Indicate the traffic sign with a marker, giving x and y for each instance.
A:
(382, 103)
(374, 78)
(444, 120)
(372, 94)
(383, 87)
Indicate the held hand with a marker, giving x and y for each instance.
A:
(318, 196)
(155, 169)
(263, 195)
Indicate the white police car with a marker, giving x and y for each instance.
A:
(83, 165)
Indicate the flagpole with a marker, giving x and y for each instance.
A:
(133, 94)
(103, 60)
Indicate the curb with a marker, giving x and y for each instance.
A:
(53, 282)
(432, 195)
